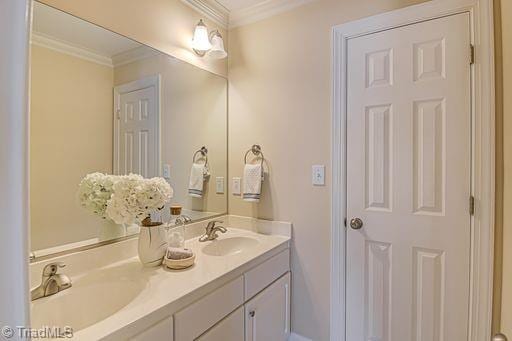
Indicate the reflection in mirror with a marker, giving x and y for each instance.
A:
(101, 102)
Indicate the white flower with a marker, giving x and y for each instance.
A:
(94, 192)
(134, 197)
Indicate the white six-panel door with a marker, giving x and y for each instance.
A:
(137, 128)
(408, 180)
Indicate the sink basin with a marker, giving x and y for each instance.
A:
(92, 298)
(229, 246)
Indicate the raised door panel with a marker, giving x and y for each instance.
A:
(428, 294)
(267, 315)
(429, 156)
(379, 157)
(378, 291)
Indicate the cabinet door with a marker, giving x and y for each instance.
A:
(229, 329)
(267, 316)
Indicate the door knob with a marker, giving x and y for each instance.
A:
(356, 223)
(499, 337)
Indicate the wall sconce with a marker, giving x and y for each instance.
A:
(208, 44)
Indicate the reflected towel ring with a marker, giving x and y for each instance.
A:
(204, 153)
(256, 150)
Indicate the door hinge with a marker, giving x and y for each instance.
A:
(472, 205)
(471, 54)
(118, 112)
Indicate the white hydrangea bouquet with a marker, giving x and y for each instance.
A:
(134, 198)
(125, 199)
(95, 191)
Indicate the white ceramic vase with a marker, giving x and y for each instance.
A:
(152, 245)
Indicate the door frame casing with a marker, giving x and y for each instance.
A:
(15, 30)
(139, 84)
(483, 155)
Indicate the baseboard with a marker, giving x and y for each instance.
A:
(297, 337)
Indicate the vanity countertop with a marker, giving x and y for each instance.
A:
(120, 293)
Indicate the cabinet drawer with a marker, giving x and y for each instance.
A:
(195, 319)
(264, 274)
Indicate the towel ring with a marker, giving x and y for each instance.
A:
(256, 150)
(204, 153)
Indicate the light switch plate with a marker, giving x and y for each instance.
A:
(219, 185)
(166, 172)
(236, 190)
(318, 174)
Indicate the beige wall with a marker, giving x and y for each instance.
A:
(280, 97)
(506, 49)
(166, 25)
(70, 136)
(194, 113)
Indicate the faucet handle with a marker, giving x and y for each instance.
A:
(183, 219)
(52, 268)
(213, 222)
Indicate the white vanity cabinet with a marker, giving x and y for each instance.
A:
(267, 316)
(252, 307)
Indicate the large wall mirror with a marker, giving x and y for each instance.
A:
(100, 102)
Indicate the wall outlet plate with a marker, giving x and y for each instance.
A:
(236, 186)
(166, 171)
(219, 185)
(318, 175)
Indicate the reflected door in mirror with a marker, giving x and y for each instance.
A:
(136, 148)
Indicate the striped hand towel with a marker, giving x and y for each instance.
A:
(196, 182)
(252, 182)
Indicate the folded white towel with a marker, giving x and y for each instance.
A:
(196, 182)
(252, 182)
(178, 253)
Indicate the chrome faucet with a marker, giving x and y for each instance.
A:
(182, 219)
(211, 231)
(52, 282)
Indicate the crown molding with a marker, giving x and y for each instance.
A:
(43, 40)
(123, 58)
(225, 18)
(212, 10)
(262, 11)
(130, 56)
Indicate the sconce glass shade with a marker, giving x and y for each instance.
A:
(201, 42)
(217, 51)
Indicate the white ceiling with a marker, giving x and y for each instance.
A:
(79, 33)
(234, 5)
